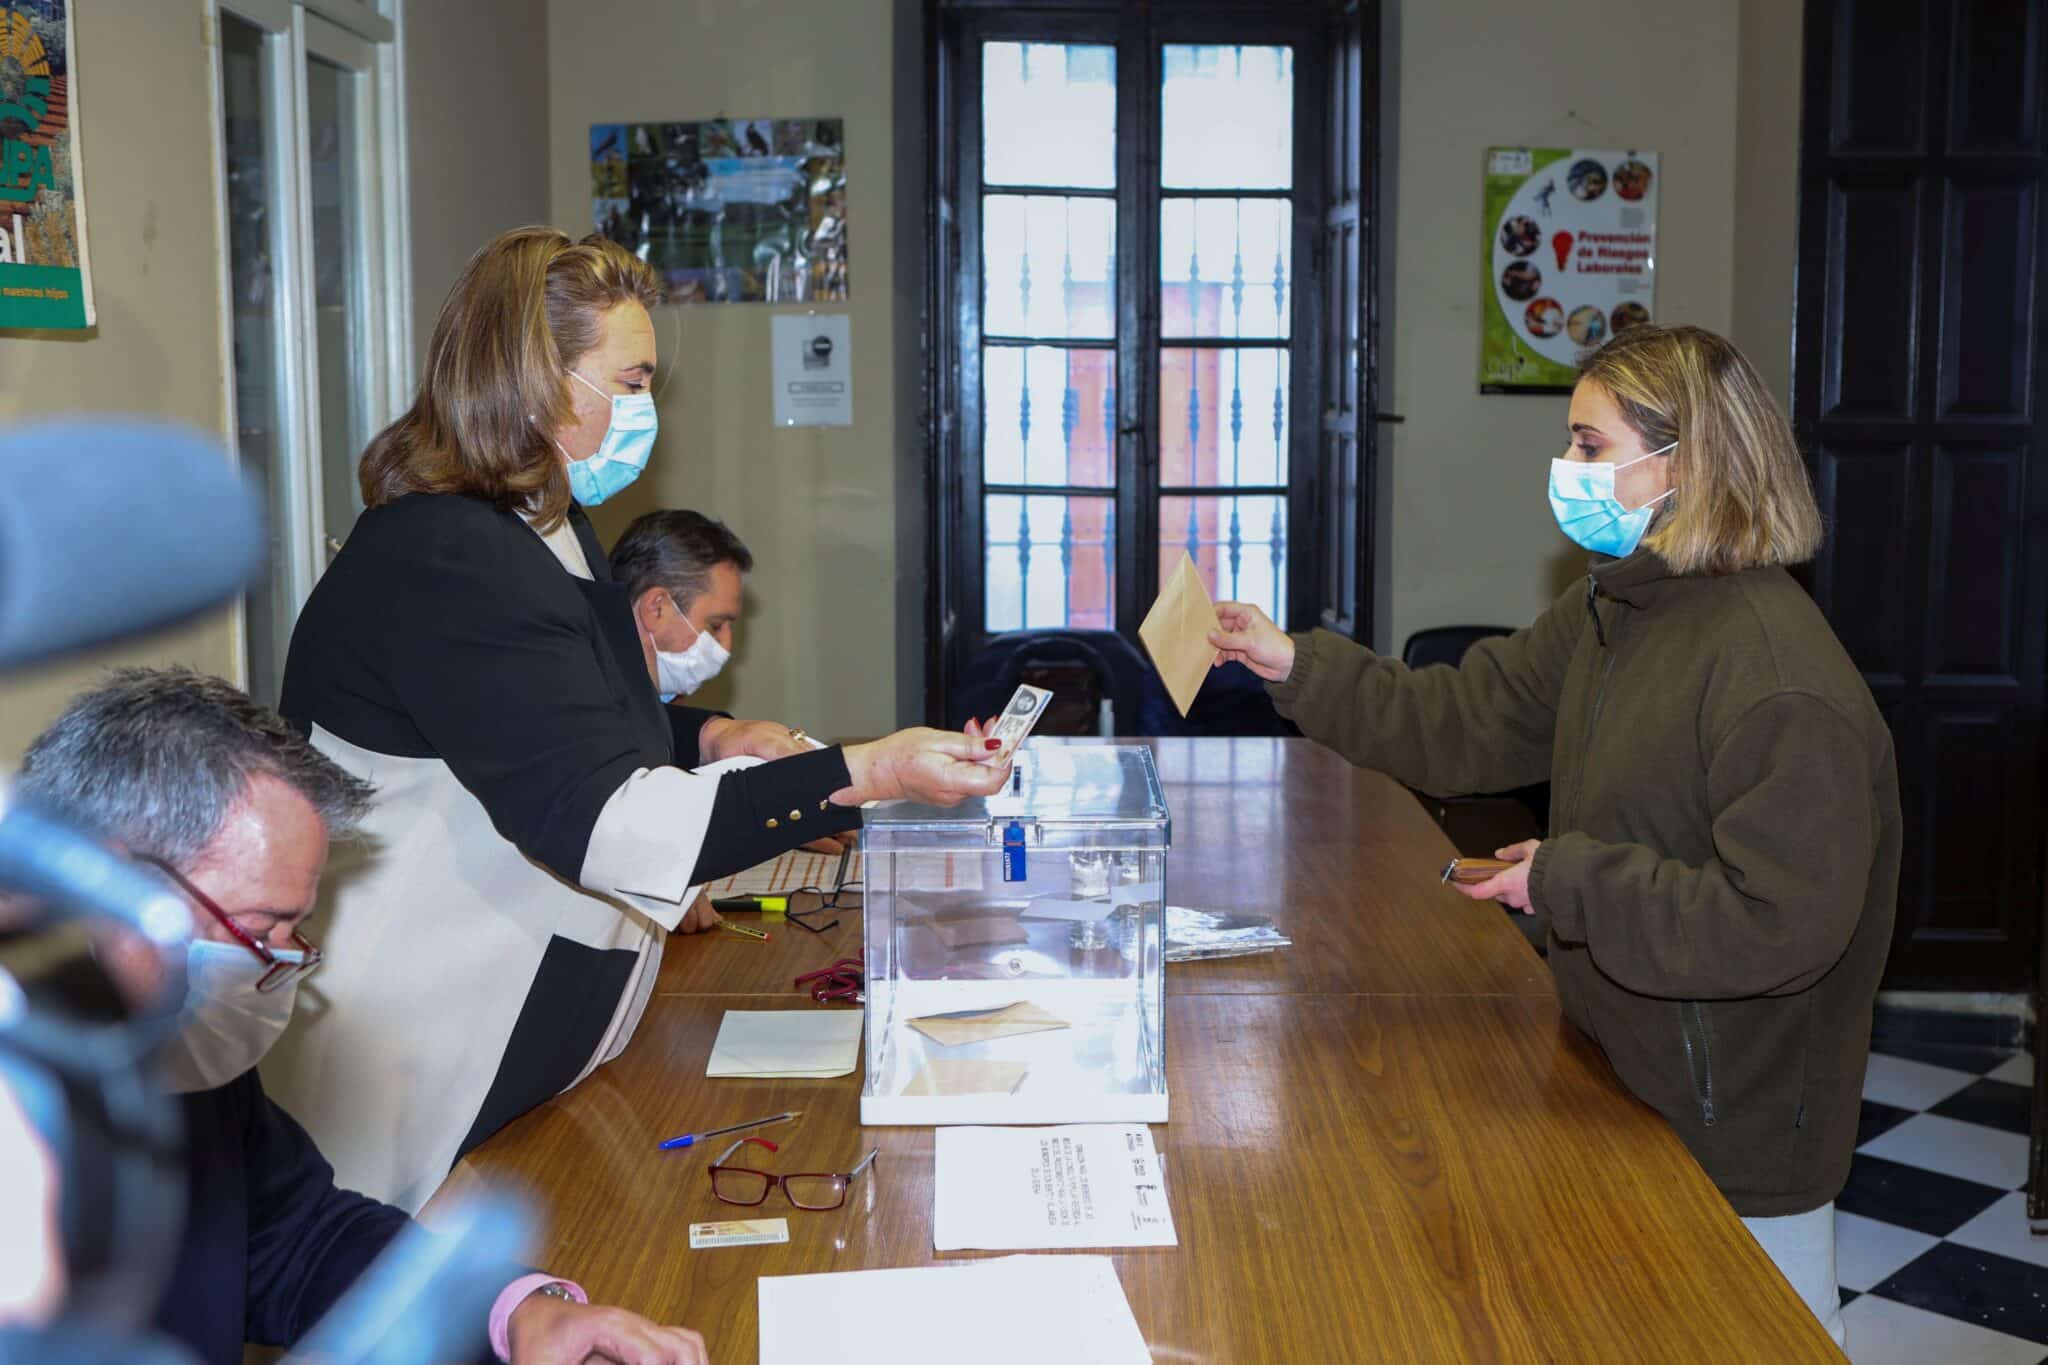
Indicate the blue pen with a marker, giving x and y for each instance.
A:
(688, 1138)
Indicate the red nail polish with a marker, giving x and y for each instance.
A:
(992, 744)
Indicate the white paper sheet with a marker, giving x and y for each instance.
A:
(1012, 1310)
(813, 1042)
(1080, 1185)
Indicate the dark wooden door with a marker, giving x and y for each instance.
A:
(1917, 379)
(1346, 462)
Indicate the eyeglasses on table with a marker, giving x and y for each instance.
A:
(812, 1191)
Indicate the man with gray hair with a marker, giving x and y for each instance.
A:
(185, 772)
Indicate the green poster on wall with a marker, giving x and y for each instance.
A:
(44, 279)
(1569, 258)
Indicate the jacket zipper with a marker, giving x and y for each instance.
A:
(1698, 1063)
(1599, 694)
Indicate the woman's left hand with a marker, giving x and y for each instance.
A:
(721, 737)
(1510, 888)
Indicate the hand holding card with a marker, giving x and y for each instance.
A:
(1019, 718)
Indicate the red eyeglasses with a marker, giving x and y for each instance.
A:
(812, 1191)
(281, 970)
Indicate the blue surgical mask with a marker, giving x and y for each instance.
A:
(622, 454)
(1582, 498)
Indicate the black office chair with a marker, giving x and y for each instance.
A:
(1446, 644)
(1232, 701)
(1081, 668)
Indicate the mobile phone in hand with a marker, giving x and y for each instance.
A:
(1472, 871)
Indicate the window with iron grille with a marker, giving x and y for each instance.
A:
(1139, 208)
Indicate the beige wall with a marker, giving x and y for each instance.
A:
(1767, 187)
(476, 89)
(816, 505)
(1466, 532)
(147, 144)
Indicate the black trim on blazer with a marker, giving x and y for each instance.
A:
(575, 991)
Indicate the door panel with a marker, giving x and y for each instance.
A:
(1879, 85)
(1987, 297)
(1862, 583)
(1974, 567)
(1997, 75)
(1873, 298)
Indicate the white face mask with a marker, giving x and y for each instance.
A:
(680, 674)
(226, 1024)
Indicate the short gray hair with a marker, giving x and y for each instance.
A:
(158, 757)
(676, 550)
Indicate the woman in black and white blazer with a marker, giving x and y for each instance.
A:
(542, 820)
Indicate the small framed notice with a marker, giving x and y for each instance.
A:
(813, 369)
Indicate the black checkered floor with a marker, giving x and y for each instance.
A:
(1932, 1247)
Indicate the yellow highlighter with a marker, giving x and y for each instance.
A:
(767, 905)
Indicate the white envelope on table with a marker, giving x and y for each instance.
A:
(813, 1042)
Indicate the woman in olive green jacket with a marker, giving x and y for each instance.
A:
(1724, 849)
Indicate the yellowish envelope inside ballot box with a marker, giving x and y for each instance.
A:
(978, 1026)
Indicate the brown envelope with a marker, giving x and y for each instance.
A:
(948, 1076)
(978, 1026)
(1176, 633)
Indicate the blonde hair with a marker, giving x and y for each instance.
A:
(1742, 498)
(526, 307)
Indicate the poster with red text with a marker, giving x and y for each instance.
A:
(1570, 258)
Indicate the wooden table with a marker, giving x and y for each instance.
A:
(1386, 1142)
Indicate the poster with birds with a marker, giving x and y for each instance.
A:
(730, 210)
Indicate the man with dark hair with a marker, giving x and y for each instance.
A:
(186, 772)
(685, 575)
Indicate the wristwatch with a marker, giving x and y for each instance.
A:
(556, 1289)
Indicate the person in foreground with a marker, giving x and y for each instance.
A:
(1723, 860)
(542, 822)
(186, 772)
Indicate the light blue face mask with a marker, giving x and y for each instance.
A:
(1582, 499)
(622, 454)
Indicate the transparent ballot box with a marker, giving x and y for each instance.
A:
(1015, 947)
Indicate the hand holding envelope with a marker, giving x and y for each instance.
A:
(1176, 633)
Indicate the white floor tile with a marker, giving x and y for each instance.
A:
(1882, 1332)
(1909, 1084)
(1970, 1151)
(2002, 1229)
(1868, 1251)
(2019, 1070)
